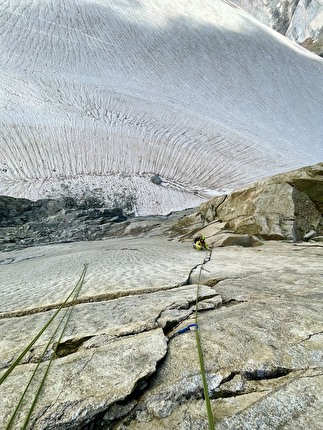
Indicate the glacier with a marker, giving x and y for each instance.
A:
(97, 97)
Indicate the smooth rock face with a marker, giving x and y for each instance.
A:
(262, 352)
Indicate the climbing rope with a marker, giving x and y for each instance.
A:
(67, 317)
(200, 352)
(28, 347)
(195, 327)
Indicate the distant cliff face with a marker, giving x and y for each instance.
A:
(299, 20)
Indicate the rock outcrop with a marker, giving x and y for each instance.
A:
(27, 223)
(299, 20)
(286, 206)
(308, 180)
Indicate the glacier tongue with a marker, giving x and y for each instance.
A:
(98, 98)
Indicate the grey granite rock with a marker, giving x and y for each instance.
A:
(260, 324)
(299, 20)
(262, 348)
(128, 359)
(286, 206)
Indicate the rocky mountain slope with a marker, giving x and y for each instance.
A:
(158, 103)
(122, 361)
(299, 20)
(287, 206)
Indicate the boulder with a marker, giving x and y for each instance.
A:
(310, 235)
(285, 206)
(156, 179)
(318, 238)
(270, 211)
(231, 239)
(308, 180)
(217, 235)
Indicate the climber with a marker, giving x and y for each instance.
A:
(199, 243)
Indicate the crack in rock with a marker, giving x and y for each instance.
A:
(123, 407)
(211, 282)
(65, 412)
(162, 405)
(84, 300)
(108, 296)
(310, 336)
(169, 317)
(206, 260)
(70, 346)
(223, 384)
(232, 302)
(261, 374)
(316, 371)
